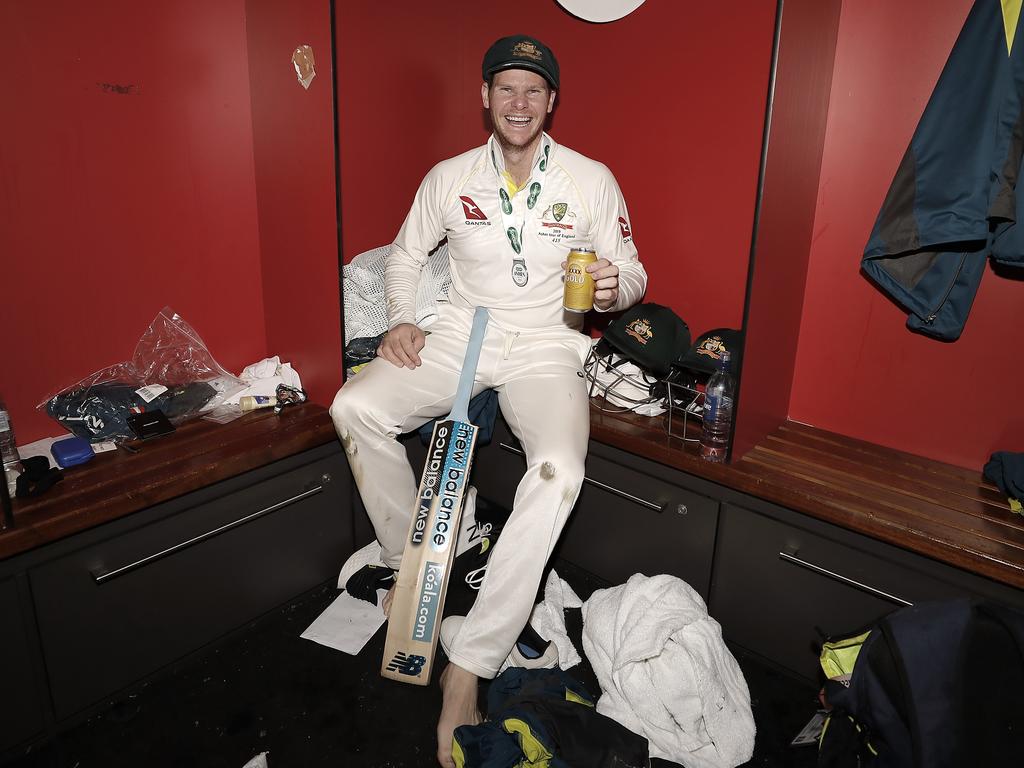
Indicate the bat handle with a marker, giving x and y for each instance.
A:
(460, 408)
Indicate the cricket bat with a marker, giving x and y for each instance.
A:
(416, 610)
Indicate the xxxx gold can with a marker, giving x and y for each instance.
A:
(579, 285)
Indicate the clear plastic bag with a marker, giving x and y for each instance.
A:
(171, 370)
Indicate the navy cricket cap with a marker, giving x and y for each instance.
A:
(521, 52)
(650, 335)
(707, 350)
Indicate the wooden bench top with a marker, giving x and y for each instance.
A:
(199, 453)
(948, 513)
(945, 512)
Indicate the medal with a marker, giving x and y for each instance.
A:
(520, 274)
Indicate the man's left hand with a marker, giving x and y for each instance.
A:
(606, 283)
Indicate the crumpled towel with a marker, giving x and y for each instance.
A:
(263, 378)
(666, 673)
(548, 618)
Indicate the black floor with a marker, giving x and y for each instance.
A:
(265, 689)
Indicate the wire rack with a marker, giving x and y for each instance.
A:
(681, 404)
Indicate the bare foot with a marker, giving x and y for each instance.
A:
(386, 602)
(459, 708)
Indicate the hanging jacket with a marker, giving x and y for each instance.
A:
(952, 203)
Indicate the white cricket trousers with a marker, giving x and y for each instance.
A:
(544, 398)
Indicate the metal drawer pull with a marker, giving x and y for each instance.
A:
(610, 489)
(100, 578)
(791, 558)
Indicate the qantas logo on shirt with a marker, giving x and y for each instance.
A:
(473, 213)
(624, 228)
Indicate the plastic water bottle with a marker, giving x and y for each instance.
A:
(719, 396)
(8, 446)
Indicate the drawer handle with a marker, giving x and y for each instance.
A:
(792, 558)
(609, 488)
(104, 576)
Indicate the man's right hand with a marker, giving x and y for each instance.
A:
(401, 345)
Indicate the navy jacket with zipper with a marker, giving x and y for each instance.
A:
(952, 203)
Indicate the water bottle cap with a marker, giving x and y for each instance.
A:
(724, 359)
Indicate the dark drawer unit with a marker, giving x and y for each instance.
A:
(21, 710)
(777, 583)
(627, 521)
(114, 611)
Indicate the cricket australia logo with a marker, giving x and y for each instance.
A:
(526, 50)
(640, 329)
(557, 222)
(712, 347)
(474, 215)
(410, 664)
(627, 233)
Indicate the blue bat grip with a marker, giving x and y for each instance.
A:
(460, 407)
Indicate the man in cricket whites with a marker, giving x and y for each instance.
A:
(511, 210)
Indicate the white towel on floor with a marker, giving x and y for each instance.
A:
(666, 673)
(548, 618)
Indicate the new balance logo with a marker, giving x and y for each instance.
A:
(407, 664)
(473, 212)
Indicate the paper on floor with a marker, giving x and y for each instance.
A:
(260, 761)
(348, 623)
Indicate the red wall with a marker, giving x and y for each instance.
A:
(126, 184)
(859, 371)
(293, 145)
(806, 52)
(671, 98)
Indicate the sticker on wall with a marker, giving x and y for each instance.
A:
(305, 66)
(600, 10)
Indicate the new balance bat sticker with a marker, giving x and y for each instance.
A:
(417, 608)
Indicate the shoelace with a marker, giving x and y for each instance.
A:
(475, 578)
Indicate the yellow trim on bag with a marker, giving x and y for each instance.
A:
(839, 658)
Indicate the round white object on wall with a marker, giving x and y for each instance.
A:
(600, 10)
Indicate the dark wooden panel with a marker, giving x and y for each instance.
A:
(198, 454)
(21, 711)
(627, 522)
(948, 513)
(776, 608)
(100, 636)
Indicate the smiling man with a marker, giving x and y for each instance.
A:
(511, 210)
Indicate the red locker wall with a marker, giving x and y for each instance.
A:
(859, 371)
(671, 98)
(126, 184)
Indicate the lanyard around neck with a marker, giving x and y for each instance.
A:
(513, 224)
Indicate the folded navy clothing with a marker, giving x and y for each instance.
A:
(482, 410)
(546, 717)
(101, 412)
(1006, 470)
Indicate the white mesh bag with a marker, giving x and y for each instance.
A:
(362, 283)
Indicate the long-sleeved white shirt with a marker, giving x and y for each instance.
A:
(579, 203)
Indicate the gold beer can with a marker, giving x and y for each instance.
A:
(579, 284)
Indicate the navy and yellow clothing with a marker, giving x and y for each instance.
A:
(953, 201)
